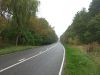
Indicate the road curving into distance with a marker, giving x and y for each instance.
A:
(44, 60)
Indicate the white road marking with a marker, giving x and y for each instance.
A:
(27, 59)
(22, 59)
(40, 52)
(60, 72)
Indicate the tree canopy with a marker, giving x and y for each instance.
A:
(19, 24)
(94, 7)
(85, 28)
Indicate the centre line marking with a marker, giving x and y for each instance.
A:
(23, 60)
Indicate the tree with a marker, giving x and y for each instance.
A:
(22, 11)
(3, 25)
(79, 25)
(93, 33)
(85, 26)
(43, 32)
(24, 27)
(94, 7)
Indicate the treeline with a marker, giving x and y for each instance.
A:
(85, 28)
(19, 24)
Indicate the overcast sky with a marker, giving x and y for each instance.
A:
(60, 13)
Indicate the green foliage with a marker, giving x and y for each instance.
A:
(44, 33)
(80, 25)
(93, 31)
(94, 7)
(19, 24)
(76, 32)
(3, 24)
(22, 11)
(85, 26)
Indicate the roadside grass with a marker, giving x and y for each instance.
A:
(13, 49)
(79, 63)
(95, 54)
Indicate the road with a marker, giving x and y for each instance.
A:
(44, 60)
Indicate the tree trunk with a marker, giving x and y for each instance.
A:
(1, 42)
(17, 40)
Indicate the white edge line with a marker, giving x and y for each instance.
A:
(60, 72)
(26, 59)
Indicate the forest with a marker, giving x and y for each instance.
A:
(19, 24)
(85, 28)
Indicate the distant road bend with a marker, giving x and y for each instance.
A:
(45, 60)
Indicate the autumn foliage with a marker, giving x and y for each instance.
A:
(20, 26)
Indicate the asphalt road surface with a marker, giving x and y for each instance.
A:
(44, 60)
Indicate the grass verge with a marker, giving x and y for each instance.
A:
(13, 49)
(79, 63)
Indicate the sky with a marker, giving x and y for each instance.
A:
(60, 13)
